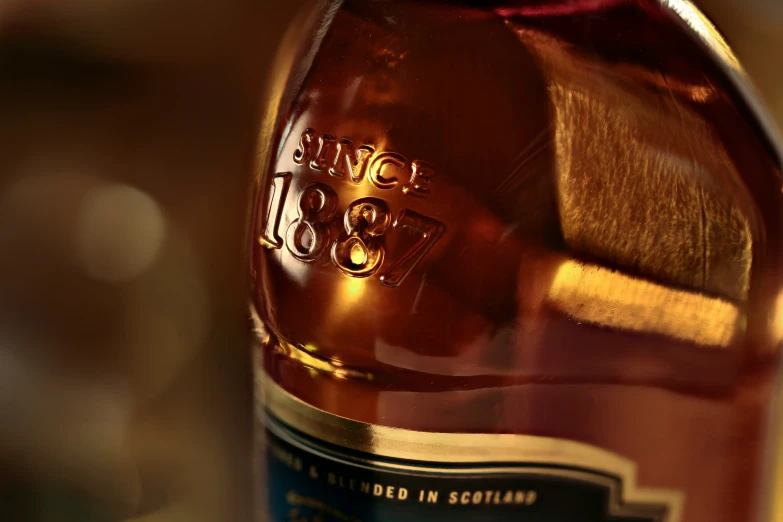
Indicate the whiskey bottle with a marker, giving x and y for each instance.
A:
(517, 260)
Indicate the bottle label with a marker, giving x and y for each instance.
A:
(355, 472)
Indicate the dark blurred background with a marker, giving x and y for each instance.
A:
(127, 138)
(128, 133)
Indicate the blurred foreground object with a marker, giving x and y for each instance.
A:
(127, 137)
(518, 260)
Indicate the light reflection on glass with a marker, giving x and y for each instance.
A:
(605, 297)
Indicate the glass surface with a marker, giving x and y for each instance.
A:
(544, 218)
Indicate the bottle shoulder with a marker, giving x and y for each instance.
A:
(461, 193)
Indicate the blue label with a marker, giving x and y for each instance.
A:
(312, 481)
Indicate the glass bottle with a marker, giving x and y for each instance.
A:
(517, 260)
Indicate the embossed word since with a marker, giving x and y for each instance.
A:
(342, 159)
(358, 250)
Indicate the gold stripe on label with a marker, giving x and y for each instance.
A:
(464, 448)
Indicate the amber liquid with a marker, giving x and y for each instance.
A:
(551, 218)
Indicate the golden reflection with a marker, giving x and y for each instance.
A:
(642, 179)
(605, 297)
(777, 320)
(347, 293)
(696, 92)
(358, 254)
(316, 364)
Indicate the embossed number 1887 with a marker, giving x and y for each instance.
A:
(358, 251)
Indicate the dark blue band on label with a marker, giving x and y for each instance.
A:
(312, 481)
